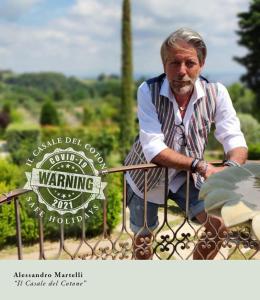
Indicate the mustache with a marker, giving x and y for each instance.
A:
(176, 81)
(182, 79)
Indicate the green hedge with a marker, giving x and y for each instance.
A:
(49, 114)
(104, 140)
(12, 178)
(250, 127)
(254, 151)
(20, 140)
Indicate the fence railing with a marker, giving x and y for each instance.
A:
(176, 237)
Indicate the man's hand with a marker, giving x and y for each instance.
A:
(213, 170)
(238, 154)
(206, 169)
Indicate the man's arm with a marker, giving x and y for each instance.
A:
(172, 159)
(151, 135)
(238, 155)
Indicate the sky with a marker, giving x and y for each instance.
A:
(82, 37)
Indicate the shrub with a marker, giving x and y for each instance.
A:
(7, 219)
(17, 116)
(88, 115)
(5, 115)
(11, 175)
(250, 127)
(243, 98)
(21, 138)
(114, 196)
(104, 139)
(49, 114)
(11, 178)
(4, 119)
(254, 151)
(104, 142)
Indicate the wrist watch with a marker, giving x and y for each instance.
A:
(231, 163)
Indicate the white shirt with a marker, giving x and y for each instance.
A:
(227, 131)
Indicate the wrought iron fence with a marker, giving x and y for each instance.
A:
(175, 238)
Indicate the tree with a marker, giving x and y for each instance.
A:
(5, 115)
(127, 111)
(250, 127)
(58, 95)
(88, 115)
(249, 34)
(49, 114)
(243, 98)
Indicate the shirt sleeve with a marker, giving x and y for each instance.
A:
(151, 136)
(228, 131)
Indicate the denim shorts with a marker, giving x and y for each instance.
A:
(136, 207)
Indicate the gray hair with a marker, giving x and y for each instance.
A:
(189, 36)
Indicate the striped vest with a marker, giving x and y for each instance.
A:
(199, 128)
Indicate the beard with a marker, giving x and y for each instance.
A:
(182, 86)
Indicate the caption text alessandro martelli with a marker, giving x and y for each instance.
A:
(43, 279)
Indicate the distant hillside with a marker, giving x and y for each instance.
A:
(54, 85)
(39, 86)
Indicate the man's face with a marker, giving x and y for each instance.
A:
(182, 68)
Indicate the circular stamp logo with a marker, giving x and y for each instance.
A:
(65, 179)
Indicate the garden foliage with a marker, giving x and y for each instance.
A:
(20, 140)
(249, 28)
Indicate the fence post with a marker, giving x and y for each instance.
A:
(18, 228)
(41, 240)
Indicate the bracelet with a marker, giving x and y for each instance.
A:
(194, 165)
(231, 163)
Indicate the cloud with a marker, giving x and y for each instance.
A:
(11, 10)
(98, 19)
(81, 42)
(86, 39)
(215, 20)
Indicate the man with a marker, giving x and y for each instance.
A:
(175, 112)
